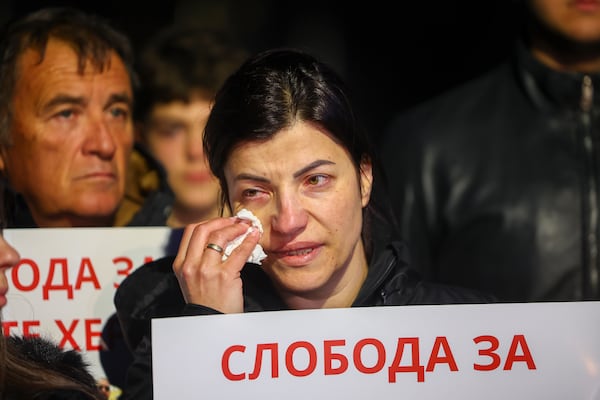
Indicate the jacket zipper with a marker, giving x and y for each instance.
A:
(591, 275)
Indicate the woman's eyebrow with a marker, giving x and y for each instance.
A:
(312, 165)
(250, 177)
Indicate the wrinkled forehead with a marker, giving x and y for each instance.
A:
(93, 59)
(60, 72)
(286, 153)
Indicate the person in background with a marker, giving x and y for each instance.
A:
(180, 70)
(103, 386)
(66, 127)
(496, 183)
(34, 367)
(285, 144)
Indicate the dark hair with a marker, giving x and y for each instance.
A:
(270, 92)
(180, 62)
(36, 368)
(90, 36)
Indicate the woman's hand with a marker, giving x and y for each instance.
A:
(203, 277)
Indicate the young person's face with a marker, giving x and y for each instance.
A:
(306, 191)
(8, 258)
(579, 21)
(174, 136)
(71, 137)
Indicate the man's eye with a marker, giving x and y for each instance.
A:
(65, 113)
(119, 112)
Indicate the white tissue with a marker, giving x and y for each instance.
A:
(258, 253)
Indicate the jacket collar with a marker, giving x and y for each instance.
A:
(387, 261)
(550, 89)
(16, 210)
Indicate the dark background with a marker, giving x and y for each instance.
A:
(392, 54)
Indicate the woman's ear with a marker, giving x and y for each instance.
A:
(366, 180)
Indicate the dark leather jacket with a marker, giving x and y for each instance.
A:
(152, 291)
(495, 183)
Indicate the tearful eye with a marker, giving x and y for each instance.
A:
(316, 179)
(250, 193)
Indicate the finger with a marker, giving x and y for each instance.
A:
(216, 242)
(197, 233)
(215, 247)
(203, 277)
(218, 232)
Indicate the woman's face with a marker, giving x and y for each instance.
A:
(8, 258)
(305, 189)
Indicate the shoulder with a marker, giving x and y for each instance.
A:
(434, 293)
(417, 290)
(460, 103)
(150, 291)
(146, 284)
(154, 211)
(148, 198)
(405, 285)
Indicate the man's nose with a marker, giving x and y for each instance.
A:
(100, 139)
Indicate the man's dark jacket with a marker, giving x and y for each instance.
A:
(495, 183)
(153, 291)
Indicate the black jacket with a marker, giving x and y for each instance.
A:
(152, 291)
(496, 183)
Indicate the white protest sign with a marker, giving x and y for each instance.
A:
(63, 288)
(492, 351)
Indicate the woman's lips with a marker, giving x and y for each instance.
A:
(297, 255)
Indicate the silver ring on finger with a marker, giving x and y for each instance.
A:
(215, 247)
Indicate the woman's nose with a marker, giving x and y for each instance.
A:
(290, 216)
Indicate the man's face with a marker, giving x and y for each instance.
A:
(71, 137)
(575, 20)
